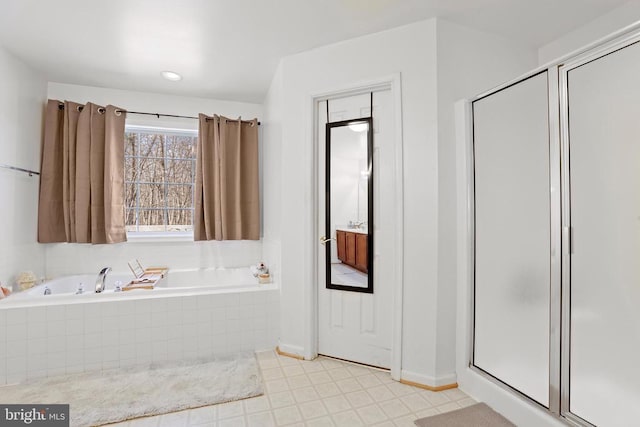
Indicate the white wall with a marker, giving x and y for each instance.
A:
(339, 66)
(21, 116)
(272, 174)
(63, 258)
(469, 62)
(618, 18)
(439, 62)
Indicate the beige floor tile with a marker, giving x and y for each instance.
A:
(447, 407)
(371, 414)
(400, 389)
(269, 363)
(281, 399)
(347, 419)
(321, 422)
(327, 390)
(206, 414)
(455, 394)
(330, 363)
(260, 419)
(356, 370)
(348, 385)
(339, 373)
(381, 393)
(319, 377)
(313, 409)
(427, 413)
(466, 402)
(272, 374)
(174, 419)
(305, 394)
(406, 421)
(288, 361)
(287, 415)
(293, 370)
(275, 386)
(232, 422)
(435, 397)
(313, 366)
(256, 404)
(394, 408)
(368, 380)
(336, 404)
(298, 381)
(230, 410)
(415, 402)
(359, 398)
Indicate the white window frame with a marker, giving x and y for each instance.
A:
(160, 236)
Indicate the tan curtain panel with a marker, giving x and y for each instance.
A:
(227, 203)
(82, 174)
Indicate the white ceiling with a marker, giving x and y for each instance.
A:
(229, 49)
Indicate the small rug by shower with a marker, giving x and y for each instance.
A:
(114, 395)
(478, 415)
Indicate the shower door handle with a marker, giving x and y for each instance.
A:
(324, 240)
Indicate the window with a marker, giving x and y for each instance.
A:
(159, 179)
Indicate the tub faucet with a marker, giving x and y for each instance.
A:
(101, 279)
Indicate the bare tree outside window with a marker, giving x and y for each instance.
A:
(159, 180)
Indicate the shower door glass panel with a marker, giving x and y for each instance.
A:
(604, 144)
(512, 236)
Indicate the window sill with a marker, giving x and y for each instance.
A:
(151, 237)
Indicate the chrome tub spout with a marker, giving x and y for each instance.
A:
(102, 276)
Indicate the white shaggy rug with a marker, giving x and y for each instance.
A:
(114, 395)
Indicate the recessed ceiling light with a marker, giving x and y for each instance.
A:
(170, 75)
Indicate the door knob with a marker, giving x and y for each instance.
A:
(324, 240)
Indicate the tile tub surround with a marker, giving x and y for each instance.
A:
(321, 392)
(51, 340)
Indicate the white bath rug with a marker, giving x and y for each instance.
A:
(114, 395)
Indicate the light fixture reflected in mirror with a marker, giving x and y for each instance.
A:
(359, 127)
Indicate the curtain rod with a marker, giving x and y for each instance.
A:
(30, 172)
(158, 115)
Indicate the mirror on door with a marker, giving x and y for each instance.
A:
(349, 206)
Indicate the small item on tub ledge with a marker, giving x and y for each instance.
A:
(26, 280)
(259, 269)
(264, 278)
(4, 292)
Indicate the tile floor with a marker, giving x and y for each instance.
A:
(322, 392)
(342, 274)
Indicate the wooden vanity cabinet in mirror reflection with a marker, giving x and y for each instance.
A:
(352, 249)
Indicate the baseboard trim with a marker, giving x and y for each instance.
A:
(287, 354)
(428, 387)
(442, 382)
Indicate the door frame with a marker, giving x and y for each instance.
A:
(393, 83)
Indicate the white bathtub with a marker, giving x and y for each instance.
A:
(181, 282)
(195, 314)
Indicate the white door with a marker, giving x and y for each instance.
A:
(356, 326)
